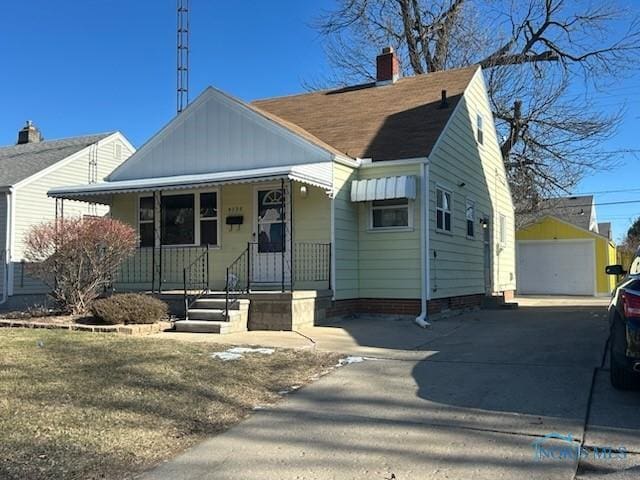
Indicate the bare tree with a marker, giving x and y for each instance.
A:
(545, 63)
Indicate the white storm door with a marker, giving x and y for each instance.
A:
(271, 248)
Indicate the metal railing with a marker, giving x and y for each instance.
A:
(311, 262)
(195, 278)
(237, 280)
(156, 268)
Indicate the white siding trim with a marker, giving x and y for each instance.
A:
(368, 163)
(333, 235)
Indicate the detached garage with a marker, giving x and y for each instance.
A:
(555, 257)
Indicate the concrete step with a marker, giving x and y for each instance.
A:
(206, 314)
(205, 303)
(202, 326)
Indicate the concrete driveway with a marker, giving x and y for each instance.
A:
(467, 398)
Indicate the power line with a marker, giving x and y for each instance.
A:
(622, 190)
(559, 207)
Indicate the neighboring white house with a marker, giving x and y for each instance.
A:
(27, 171)
(388, 197)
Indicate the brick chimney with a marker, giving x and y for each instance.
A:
(387, 67)
(29, 134)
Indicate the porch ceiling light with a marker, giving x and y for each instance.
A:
(304, 192)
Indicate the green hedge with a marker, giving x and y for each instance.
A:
(129, 308)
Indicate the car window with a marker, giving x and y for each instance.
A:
(635, 266)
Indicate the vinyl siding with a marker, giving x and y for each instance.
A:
(34, 207)
(311, 217)
(389, 261)
(457, 262)
(551, 229)
(346, 230)
(215, 134)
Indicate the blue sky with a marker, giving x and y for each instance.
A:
(102, 65)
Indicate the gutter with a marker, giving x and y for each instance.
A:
(422, 319)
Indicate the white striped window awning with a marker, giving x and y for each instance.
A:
(385, 188)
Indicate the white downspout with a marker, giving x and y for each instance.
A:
(7, 245)
(424, 242)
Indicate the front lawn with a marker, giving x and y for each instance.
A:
(98, 406)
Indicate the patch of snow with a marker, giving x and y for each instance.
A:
(226, 356)
(283, 392)
(349, 360)
(264, 351)
(237, 353)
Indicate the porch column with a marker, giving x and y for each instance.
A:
(157, 242)
(283, 226)
(291, 236)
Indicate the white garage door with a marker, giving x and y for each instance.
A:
(556, 268)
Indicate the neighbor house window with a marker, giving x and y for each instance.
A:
(471, 218)
(178, 220)
(145, 221)
(479, 129)
(390, 213)
(208, 218)
(503, 229)
(443, 210)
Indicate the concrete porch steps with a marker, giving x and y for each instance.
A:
(207, 315)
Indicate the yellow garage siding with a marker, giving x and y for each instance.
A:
(550, 228)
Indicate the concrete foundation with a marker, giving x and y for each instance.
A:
(288, 310)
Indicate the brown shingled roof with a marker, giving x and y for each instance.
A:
(389, 122)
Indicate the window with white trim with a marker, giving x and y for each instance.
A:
(146, 221)
(502, 229)
(479, 129)
(178, 219)
(390, 214)
(186, 219)
(471, 218)
(208, 218)
(443, 210)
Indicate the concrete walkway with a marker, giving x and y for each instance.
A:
(464, 399)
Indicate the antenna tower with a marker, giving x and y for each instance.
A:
(183, 55)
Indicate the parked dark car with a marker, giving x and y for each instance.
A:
(624, 318)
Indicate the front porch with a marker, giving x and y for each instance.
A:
(222, 253)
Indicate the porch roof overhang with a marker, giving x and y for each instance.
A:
(385, 188)
(314, 174)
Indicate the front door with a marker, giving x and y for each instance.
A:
(271, 248)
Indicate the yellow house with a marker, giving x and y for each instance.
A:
(565, 251)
